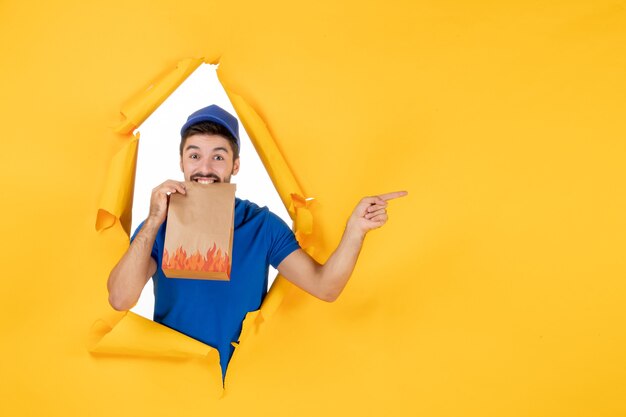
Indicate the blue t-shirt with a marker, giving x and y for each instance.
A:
(213, 311)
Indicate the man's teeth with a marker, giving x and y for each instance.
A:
(205, 180)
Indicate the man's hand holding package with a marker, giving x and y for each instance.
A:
(135, 268)
(160, 198)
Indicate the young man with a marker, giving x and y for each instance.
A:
(213, 311)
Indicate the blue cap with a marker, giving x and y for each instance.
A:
(214, 114)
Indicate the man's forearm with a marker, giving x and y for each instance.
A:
(335, 273)
(131, 273)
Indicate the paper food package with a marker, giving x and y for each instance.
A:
(199, 232)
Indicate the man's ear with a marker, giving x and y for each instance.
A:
(236, 166)
(181, 165)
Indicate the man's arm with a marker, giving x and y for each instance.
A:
(327, 281)
(131, 273)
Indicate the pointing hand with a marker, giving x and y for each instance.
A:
(371, 212)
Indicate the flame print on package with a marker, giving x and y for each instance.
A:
(215, 264)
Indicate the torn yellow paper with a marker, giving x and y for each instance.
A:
(265, 145)
(137, 109)
(133, 335)
(116, 197)
(287, 187)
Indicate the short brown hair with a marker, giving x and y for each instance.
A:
(210, 128)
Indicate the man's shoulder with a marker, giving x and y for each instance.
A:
(248, 207)
(248, 211)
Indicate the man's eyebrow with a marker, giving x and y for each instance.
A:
(219, 148)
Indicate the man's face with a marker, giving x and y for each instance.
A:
(207, 159)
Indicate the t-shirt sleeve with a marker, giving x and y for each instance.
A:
(282, 241)
(154, 253)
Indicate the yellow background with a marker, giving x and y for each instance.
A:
(496, 288)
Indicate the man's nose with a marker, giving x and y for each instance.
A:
(207, 165)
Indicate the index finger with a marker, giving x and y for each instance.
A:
(391, 196)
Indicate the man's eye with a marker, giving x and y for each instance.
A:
(194, 156)
(218, 157)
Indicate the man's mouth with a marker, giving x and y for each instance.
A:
(205, 179)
